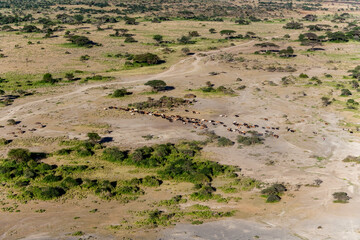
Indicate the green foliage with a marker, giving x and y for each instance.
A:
(156, 218)
(48, 78)
(205, 193)
(120, 93)
(341, 197)
(185, 40)
(30, 29)
(250, 140)
(355, 73)
(147, 58)
(19, 155)
(225, 142)
(294, 25)
(158, 38)
(151, 181)
(227, 32)
(70, 182)
(173, 201)
(272, 193)
(345, 92)
(163, 102)
(93, 137)
(81, 41)
(157, 85)
(52, 178)
(4, 141)
(303, 75)
(45, 193)
(113, 154)
(69, 76)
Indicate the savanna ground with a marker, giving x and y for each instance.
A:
(267, 90)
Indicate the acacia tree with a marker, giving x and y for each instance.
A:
(157, 85)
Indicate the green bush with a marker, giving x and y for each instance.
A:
(113, 154)
(70, 182)
(204, 194)
(82, 41)
(147, 58)
(273, 198)
(151, 181)
(250, 140)
(341, 197)
(303, 75)
(46, 193)
(120, 93)
(19, 154)
(224, 142)
(52, 178)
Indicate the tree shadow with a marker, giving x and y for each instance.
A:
(106, 139)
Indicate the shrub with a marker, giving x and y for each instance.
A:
(84, 58)
(19, 155)
(273, 198)
(120, 93)
(48, 78)
(114, 155)
(4, 141)
(82, 41)
(151, 181)
(157, 85)
(224, 142)
(130, 39)
(11, 122)
(185, 40)
(325, 101)
(303, 75)
(93, 137)
(272, 193)
(345, 92)
(52, 178)
(46, 193)
(204, 194)
(148, 58)
(250, 140)
(70, 182)
(341, 197)
(294, 25)
(30, 29)
(69, 76)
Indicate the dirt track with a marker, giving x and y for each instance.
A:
(294, 154)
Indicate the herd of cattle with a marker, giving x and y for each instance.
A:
(197, 123)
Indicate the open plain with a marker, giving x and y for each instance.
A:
(263, 127)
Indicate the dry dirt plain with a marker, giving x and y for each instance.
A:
(314, 151)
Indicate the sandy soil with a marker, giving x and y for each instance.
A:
(304, 213)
